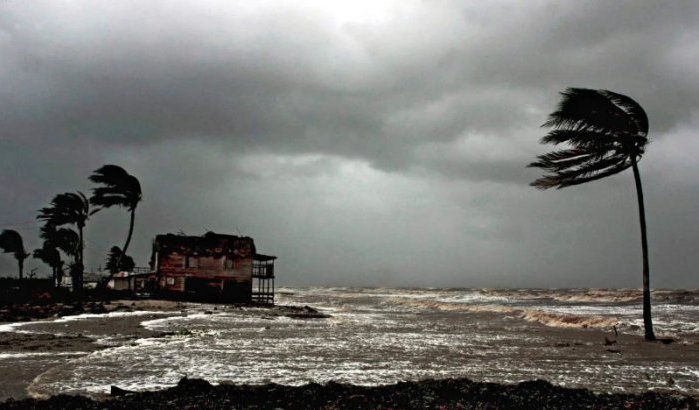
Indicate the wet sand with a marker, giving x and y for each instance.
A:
(56, 340)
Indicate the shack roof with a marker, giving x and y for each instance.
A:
(210, 242)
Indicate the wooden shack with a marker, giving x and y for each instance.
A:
(214, 267)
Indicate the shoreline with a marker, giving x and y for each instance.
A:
(461, 393)
(70, 337)
(57, 338)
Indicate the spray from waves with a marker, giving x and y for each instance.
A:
(568, 321)
(451, 306)
(601, 296)
(552, 319)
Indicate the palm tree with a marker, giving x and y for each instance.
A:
(118, 188)
(50, 255)
(70, 209)
(11, 242)
(603, 133)
(56, 240)
(64, 239)
(116, 261)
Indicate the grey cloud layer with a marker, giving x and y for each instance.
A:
(438, 92)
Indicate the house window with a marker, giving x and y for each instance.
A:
(192, 261)
(170, 281)
(229, 263)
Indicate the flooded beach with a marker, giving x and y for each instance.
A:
(374, 336)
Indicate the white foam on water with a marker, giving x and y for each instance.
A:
(26, 355)
(379, 336)
(14, 327)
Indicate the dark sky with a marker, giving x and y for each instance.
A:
(363, 142)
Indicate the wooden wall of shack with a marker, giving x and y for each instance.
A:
(213, 266)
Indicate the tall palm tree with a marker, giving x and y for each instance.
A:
(11, 242)
(70, 209)
(117, 188)
(603, 134)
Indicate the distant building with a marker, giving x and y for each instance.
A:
(140, 280)
(214, 266)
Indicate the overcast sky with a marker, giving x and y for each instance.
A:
(362, 142)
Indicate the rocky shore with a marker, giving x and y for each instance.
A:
(429, 394)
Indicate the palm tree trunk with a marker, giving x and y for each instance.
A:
(20, 263)
(78, 279)
(128, 238)
(123, 250)
(647, 320)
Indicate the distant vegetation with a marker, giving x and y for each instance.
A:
(64, 221)
(603, 133)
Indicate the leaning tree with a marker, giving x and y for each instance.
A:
(601, 133)
(116, 188)
(70, 209)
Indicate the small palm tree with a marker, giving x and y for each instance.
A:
(70, 209)
(116, 261)
(603, 133)
(64, 239)
(50, 255)
(118, 188)
(55, 241)
(11, 242)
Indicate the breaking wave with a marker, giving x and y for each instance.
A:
(552, 319)
(568, 321)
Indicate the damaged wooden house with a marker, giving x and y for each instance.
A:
(215, 267)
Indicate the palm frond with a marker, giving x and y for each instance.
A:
(48, 254)
(583, 139)
(602, 131)
(11, 242)
(118, 188)
(583, 109)
(583, 172)
(67, 208)
(635, 112)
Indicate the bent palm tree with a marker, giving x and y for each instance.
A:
(11, 242)
(118, 188)
(70, 209)
(604, 133)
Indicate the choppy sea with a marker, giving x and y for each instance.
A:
(381, 335)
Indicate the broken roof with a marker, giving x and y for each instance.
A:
(209, 243)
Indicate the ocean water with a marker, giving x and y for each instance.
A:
(379, 336)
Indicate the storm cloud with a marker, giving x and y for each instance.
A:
(364, 143)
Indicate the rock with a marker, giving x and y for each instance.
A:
(194, 385)
(116, 391)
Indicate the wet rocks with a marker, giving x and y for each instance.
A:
(22, 312)
(427, 394)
